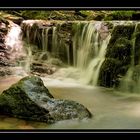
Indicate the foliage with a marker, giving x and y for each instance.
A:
(120, 15)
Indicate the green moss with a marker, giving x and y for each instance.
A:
(109, 72)
(18, 100)
(29, 99)
(121, 50)
(120, 15)
(118, 56)
(119, 31)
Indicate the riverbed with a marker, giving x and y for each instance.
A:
(111, 109)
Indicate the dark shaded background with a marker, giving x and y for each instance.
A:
(70, 3)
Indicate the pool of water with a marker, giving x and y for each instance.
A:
(111, 109)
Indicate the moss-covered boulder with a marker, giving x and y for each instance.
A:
(121, 50)
(29, 99)
(109, 72)
(118, 56)
(125, 31)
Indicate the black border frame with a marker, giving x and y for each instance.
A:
(69, 3)
(101, 133)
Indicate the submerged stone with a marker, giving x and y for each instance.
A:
(29, 99)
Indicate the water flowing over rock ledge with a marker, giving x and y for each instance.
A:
(92, 46)
(101, 42)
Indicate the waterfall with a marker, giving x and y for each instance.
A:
(89, 43)
(45, 39)
(28, 60)
(91, 52)
(13, 41)
(93, 69)
(76, 41)
(88, 39)
(54, 41)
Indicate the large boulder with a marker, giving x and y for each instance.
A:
(29, 99)
(118, 56)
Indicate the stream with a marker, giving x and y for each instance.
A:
(84, 54)
(111, 109)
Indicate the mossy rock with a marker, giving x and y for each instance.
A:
(136, 16)
(120, 15)
(137, 48)
(29, 99)
(121, 50)
(109, 72)
(125, 31)
(138, 27)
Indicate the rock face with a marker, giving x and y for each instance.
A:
(3, 50)
(118, 56)
(29, 99)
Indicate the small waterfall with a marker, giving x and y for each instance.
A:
(45, 39)
(76, 41)
(88, 41)
(13, 41)
(91, 51)
(93, 69)
(28, 60)
(55, 44)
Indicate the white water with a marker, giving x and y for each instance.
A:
(55, 45)
(91, 52)
(28, 60)
(88, 37)
(93, 69)
(13, 41)
(45, 39)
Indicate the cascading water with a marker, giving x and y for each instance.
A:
(93, 69)
(13, 41)
(92, 40)
(91, 51)
(45, 39)
(88, 35)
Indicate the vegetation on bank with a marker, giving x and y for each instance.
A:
(77, 14)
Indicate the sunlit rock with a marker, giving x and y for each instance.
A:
(29, 99)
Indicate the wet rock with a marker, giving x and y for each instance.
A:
(4, 71)
(125, 31)
(121, 50)
(2, 37)
(109, 72)
(40, 68)
(4, 61)
(118, 56)
(29, 99)
(2, 46)
(17, 20)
